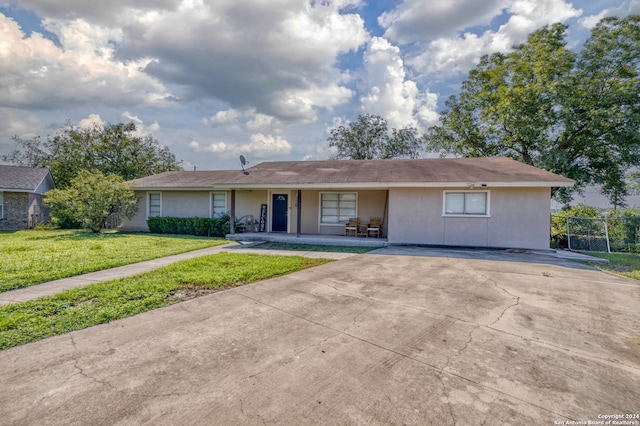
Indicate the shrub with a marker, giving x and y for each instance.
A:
(200, 226)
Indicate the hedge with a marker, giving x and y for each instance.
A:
(200, 226)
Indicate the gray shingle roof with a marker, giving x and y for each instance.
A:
(21, 178)
(420, 172)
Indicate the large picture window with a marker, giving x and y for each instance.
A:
(155, 204)
(336, 208)
(218, 204)
(474, 203)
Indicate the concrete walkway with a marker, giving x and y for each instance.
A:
(53, 287)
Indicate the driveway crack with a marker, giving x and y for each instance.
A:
(76, 365)
(445, 392)
(504, 290)
(439, 370)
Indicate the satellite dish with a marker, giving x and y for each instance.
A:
(244, 162)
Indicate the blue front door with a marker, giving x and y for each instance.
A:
(280, 210)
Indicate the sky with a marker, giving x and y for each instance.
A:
(268, 79)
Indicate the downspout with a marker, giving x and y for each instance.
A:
(385, 214)
(232, 213)
(299, 218)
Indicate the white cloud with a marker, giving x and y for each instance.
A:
(235, 121)
(266, 146)
(218, 147)
(141, 128)
(261, 146)
(262, 123)
(23, 124)
(277, 58)
(417, 20)
(625, 9)
(450, 56)
(389, 93)
(36, 73)
(228, 116)
(91, 121)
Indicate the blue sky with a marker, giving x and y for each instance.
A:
(213, 79)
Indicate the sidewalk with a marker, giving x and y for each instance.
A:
(53, 287)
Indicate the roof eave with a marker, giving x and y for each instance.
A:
(353, 185)
(16, 190)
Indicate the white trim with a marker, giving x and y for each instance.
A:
(28, 191)
(148, 201)
(226, 201)
(320, 223)
(360, 186)
(465, 191)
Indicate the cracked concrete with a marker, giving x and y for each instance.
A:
(373, 339)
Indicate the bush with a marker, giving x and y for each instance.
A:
(199, 226)
(90, 199)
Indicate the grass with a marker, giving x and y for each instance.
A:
(313, 247)
(107, 301)
(32, 257)
(626, 264)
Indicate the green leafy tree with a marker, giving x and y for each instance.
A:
(368, 138)
(110, 149)
(90, 198)
(576, 115)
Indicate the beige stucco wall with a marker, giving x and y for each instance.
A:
(519, 218)
(192, 204)
(371, 203)
(248, 203)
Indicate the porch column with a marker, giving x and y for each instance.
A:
(232, 213)
(299, 218)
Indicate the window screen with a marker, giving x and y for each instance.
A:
(460, 203)
(338, 207)
(218, 204)
(155, 208)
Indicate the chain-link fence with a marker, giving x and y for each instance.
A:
(603, 234)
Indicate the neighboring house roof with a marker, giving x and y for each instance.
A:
(440, 172)
(25, 179)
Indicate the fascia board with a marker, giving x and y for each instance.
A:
(16, 190)
(357, 185)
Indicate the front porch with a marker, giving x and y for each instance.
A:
(311, 239)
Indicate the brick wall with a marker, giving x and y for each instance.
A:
(16, 211)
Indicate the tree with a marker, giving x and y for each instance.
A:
(110, 149)
(90, 198)
(576, 115)
(368, 138)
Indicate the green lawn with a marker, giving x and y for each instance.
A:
(107, 301)
(314, 247)
(627, 264)
(32, 257)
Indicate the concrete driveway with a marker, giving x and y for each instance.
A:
(372, 339)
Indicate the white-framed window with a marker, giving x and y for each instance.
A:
(1, 205)
(337, 207)
(466, 203)
(218, 204)
(155, 204)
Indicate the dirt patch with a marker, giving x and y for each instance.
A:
(618, 267)
(190, 291)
